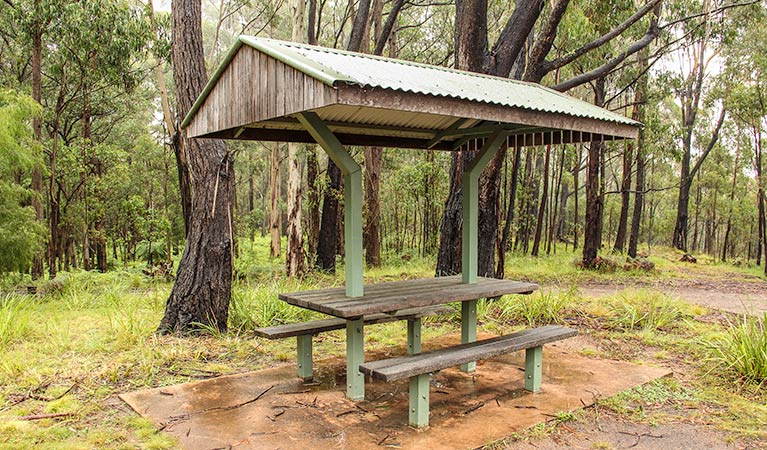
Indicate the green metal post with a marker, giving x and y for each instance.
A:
(470, 205)
(353, 232)
(352, 198)
(355, 340)
(419, 400)
(469, 329)
(470, 212)
(304, 356)
(414, 336)
(533, 368)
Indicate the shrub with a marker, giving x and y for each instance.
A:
(743, 348)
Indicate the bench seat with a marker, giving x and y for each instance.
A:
(418, 367)
(320, 326)
(303, 331)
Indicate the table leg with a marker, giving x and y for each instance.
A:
(355, 340)
(418, 413)
(414, 336)
(469, 329)
(304, 356)
(533, 369)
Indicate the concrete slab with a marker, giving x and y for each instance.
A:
(270, 409)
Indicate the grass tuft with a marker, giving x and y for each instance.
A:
(14, 319)
(645, 310)
(742, 349)
(540, 308)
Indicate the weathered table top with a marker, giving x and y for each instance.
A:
(397, 295)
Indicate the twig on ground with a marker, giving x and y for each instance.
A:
(238, 405)
(639, 437)
(474, 408)
(44, 416)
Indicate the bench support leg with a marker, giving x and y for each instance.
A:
(355, 340)
(469, 329)
(304, 356)
(419, 400)
(414, 336)
(533, 368)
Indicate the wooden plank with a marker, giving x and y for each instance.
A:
(400, 295)
(323, 325)
(411, 365)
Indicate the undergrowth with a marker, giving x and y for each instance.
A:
(742, 349)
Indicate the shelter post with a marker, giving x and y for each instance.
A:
(469, 237)
(355, 382)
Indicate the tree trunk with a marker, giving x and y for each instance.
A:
(543, 203)
(37, 174)
(576, 174)
(594, 201)
(620, 235)
(275, 215)
(504, 243)
(295, 263)
(639, 112)
(372, 233)
(312, 202)
(203, 284)
(327, 244)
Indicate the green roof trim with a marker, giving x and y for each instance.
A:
(332, 66)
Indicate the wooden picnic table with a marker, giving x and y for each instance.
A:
(391, 297)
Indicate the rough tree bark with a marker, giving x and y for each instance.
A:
(37, 174)
(203, 284)
(295, 263)
(328, 236)
(275, 215)
(543, 203)
(594, 201)
(628, 156)
(371, 233)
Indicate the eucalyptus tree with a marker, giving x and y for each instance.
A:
(201, 292)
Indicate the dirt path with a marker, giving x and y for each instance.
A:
(737, 294)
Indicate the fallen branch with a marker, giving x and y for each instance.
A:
(238, 405)
(474, 408)
(44, 416)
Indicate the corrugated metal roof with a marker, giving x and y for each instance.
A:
(334, 66)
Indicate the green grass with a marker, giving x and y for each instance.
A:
(94, 333)
(742, 349)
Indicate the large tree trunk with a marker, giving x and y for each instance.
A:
(504, 243)
(470, 47)
(327, 244)
(203, 284)
(295, 262)
(639, 112)
(594, 201)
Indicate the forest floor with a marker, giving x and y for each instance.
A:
(67, 351)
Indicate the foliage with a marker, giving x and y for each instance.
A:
(20, 234)
(742, 350)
